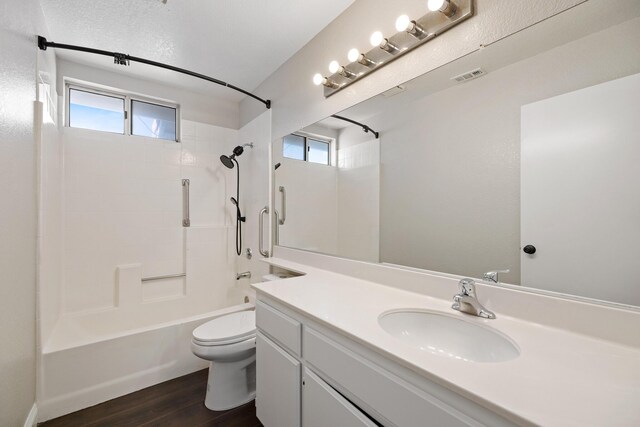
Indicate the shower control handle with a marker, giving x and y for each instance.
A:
(529, 249)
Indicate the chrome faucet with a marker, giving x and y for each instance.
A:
(493, 276)
(466, 300)
(244, 275)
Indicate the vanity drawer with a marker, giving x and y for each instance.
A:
(323, 406)
(280, 327)
(384, 396)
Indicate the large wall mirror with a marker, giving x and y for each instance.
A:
(531, 168)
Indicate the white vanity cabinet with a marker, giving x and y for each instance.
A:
(310, 376)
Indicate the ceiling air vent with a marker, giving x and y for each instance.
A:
(469, 75)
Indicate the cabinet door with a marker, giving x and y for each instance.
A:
(277, 385)
(323, 406)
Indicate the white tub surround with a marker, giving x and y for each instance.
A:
(568, 373)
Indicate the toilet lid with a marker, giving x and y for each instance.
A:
(227, 329)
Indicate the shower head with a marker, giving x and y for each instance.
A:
(228, 160)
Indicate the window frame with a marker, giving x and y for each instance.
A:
(127, 97)
(317, 138)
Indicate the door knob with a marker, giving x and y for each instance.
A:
(529, 249)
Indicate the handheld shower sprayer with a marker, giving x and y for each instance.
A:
(229, 161)
(238, 213)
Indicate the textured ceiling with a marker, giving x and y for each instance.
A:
(239, 41)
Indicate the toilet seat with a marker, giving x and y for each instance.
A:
(227, 329)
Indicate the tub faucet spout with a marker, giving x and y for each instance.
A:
(243, 275)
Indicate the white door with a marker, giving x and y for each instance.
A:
(277, 385)
(581, 192)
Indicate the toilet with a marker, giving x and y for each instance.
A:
(229, 344)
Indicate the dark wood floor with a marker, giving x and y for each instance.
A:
(179, 402)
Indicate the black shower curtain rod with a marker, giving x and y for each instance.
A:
(363, 126)
(123, 59)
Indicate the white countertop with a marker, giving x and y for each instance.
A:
(559, 379)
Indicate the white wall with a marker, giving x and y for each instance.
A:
(50, 199)
(298, 103)
(19, 23)
(359, 200)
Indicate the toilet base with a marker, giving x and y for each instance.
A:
(231, 384)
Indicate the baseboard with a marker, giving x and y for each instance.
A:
(32, 418)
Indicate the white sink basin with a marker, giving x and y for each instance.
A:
(448, 336)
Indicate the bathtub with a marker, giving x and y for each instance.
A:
(85, 362)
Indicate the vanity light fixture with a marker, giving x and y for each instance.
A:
(386, 49)
(447, 7)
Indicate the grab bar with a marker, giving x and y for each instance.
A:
(264, 253)
(277, 236)
(168, 276)
(186, 221)
(284, 205)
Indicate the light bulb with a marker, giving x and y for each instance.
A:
(353, 55)
(334, 66)
(317, 79)
(376, 38)
(402, 23)
(445, 6)
(434, 5)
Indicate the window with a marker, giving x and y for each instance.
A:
(293, 147)
(109, 112)
(317, 151)
(309, 149)
(89, 110)
(152, 120)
